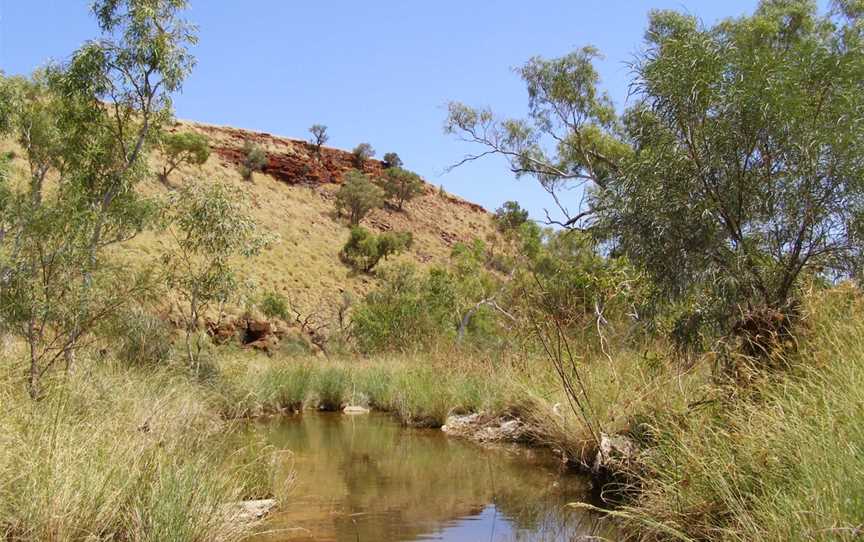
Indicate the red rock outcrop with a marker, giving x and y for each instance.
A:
(294, 161)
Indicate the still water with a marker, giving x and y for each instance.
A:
(368, 479)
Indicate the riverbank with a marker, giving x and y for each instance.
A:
(137, 452)
(116, 453)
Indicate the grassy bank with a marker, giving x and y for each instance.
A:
(783, 462)
(121, 454)
(424, 389)
(146, 453)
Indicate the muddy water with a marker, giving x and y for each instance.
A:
(365, 478)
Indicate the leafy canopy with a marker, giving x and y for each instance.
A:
(88, 122)
(357, 196)
(737, 170)
(401, 185)
(364, 249)
(361, 154)
(180, 148)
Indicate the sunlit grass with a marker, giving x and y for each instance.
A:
(115, 453)
(784, 463)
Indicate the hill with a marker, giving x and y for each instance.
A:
(293, 197)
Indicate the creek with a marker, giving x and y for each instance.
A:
(366, 478)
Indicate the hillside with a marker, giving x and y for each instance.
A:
(293, 197)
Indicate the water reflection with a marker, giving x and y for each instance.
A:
(367, 479)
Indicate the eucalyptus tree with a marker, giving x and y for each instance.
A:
(85, 126)
(739, 166)
(401, 185)
(179, 148)
(209, 226)
(358, 196)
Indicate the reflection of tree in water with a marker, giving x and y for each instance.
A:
(368, 477)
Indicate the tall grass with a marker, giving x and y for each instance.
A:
(786, 462)
(115, 453)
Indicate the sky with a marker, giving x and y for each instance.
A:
(376, 71)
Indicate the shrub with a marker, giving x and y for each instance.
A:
(406, 311)
(357, 196)
(361, 153)
(274, 305)
(402, 185)
(254, 160)
(364, 249)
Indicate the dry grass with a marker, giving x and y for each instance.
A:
(118, 454)
(786, 462)
(304, 263)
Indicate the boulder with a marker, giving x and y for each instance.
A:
(249, 511)
(614, 453)
(482, 428)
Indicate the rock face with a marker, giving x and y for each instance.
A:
(614, 454)
(294, 161)
(262, 335)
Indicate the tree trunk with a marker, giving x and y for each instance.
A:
(33, 387)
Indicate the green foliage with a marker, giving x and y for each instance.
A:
(510, 217)
(357, 196)
(88, 123)
(283, 388)
(392, 160)
(721, 193)
(401, 185)
(736, 172)
(405, 311)
(209, 226)
(180, 148)
(331, 385)
(567, 281)
(364, 249)
(254, 159)
(275, 305)
(361, 154)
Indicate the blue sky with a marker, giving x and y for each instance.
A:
(376, 71)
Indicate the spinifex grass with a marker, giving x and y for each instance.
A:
(785, 462)
(121, 454)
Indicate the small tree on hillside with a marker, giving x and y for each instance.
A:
(361, 154)
(319, 137)
(402, 185)
(392, 160)
(357, 196)
(254, 160)
(180, 148)
(510, 217)
(364, 249)
(209, 227)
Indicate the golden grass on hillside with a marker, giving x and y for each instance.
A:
(304, 263)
